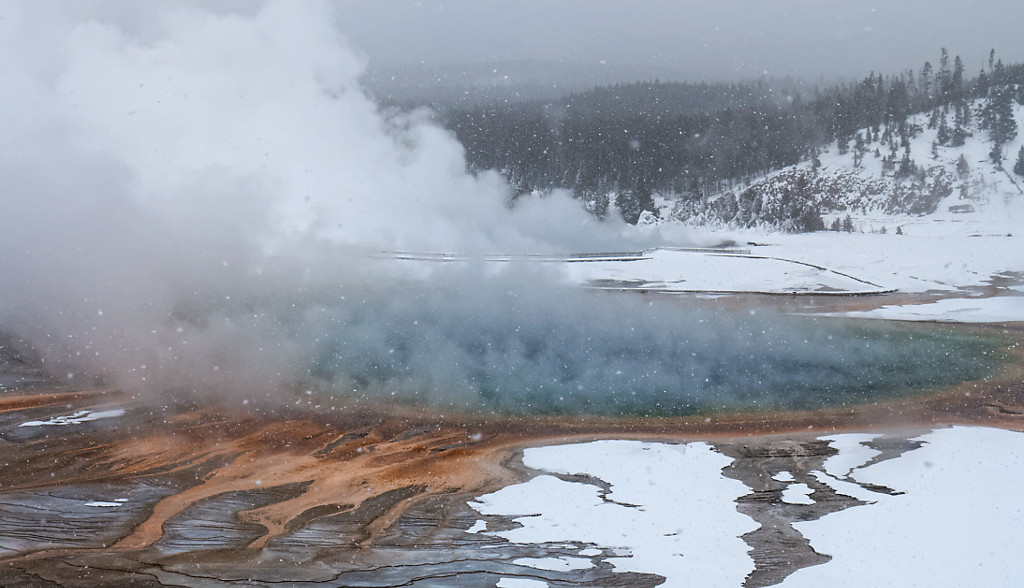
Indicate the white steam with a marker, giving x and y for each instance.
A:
(195, 196)
(184, 184)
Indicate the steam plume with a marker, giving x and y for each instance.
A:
(193, 194)
(177, 173)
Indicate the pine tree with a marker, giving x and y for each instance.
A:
(944, 79)
(848, 224)
(997, 116)
(907, 166)
(957, 84)
(996, 155)
(633, 203)
(1018, 168)
(926, 82)
(943, 136)
(961, 118)
(981, 85)
(962, 167)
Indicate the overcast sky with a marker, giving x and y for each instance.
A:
(702, 39)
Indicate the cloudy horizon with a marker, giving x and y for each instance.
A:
(736, 40)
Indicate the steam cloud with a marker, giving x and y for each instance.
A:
(177, 174)
(193, 194)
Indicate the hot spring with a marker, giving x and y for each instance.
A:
(522, 352)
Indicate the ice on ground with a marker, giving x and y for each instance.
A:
(958, 522)
(675, 270)
(797, 494)
(668, 508)
(77, 418)
(520, 583)
(999, 309)
(851, 489)
(477, 527)
(948, 513)
(939, 257)
(102, 504)
(941, 260)
(555, 564)
(852, 450)
(784, 476)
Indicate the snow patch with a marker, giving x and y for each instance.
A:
(958, 521)
(797, 494)
(684, 270)
(667, 509)
(852, 450)
(520, 583)
(784, 476)
(1000, 309)
(77, 418)
(555, 564)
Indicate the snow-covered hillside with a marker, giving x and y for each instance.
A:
(885, 180)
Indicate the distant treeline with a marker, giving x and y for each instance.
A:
(696, 140)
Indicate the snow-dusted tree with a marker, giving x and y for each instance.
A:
(943, 135)
(926, 81)
(633, 203)
(997, 117)
(962, 167)
(1018, 168)
(907, 166)
(848, 224)
(957, 82)
(944, 78)
(961, 119)
(996, 155)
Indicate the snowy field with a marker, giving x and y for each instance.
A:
(965, 310)
(668, 270)
(981, 272)
(667, 509)
(953, 517)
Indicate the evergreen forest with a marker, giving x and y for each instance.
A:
(618, 145)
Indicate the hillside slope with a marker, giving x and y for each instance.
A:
(882, 181)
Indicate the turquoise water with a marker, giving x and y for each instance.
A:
(618, 356)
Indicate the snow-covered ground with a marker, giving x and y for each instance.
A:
(964, 310)
(958, 522)
(972, 242)
(955, 518)
(908, 263)
(670, 270)
(82, 416)
(667, 509)
(975, 263)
